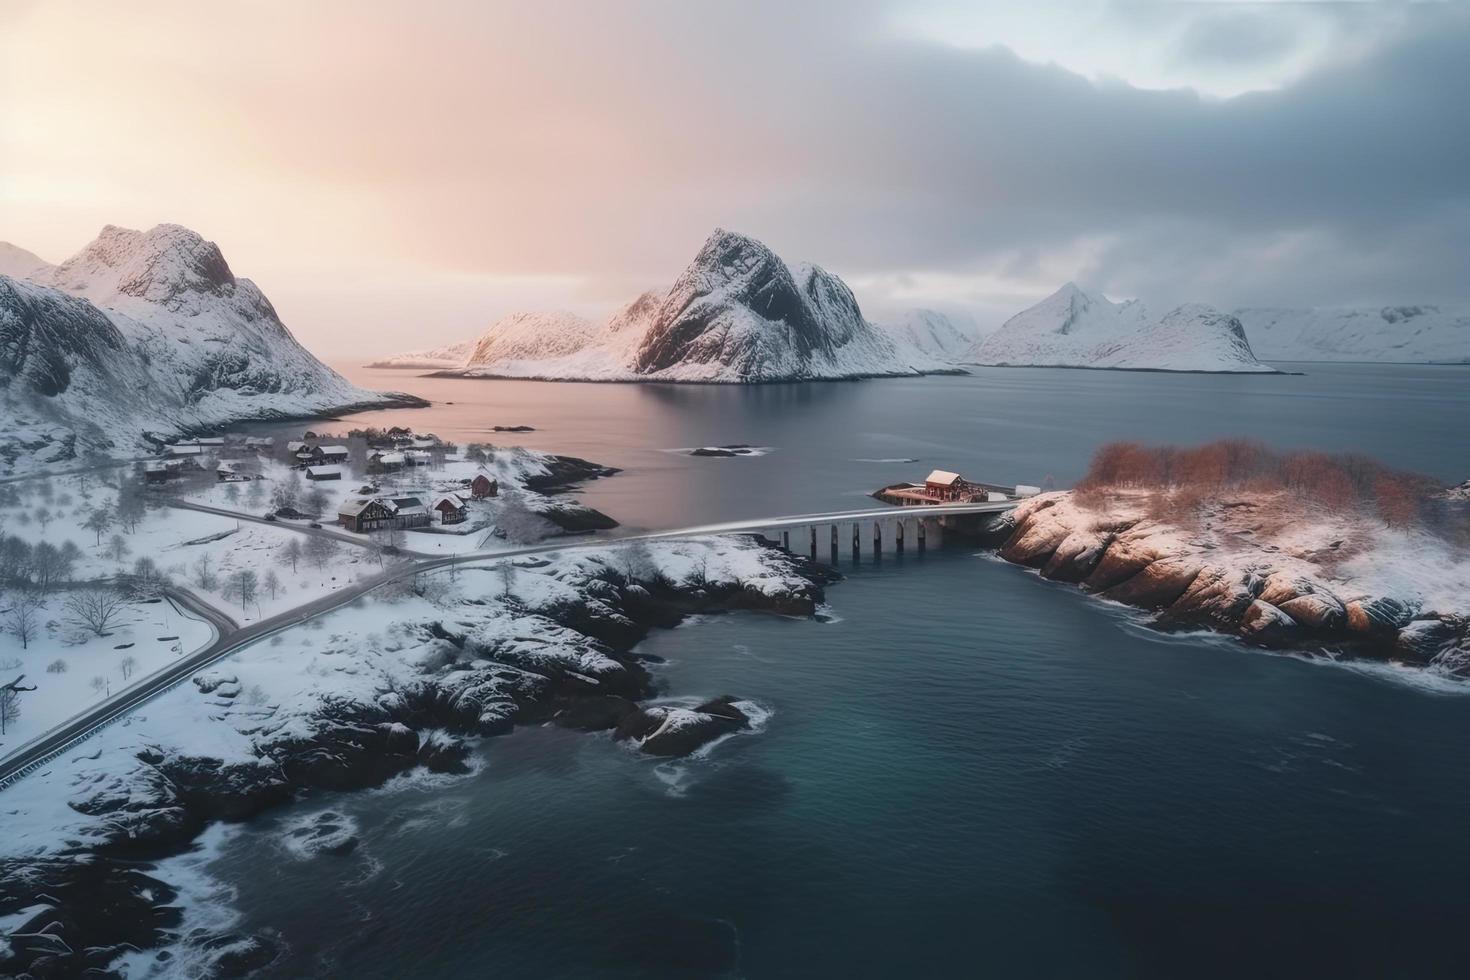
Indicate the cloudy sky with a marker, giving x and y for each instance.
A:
(400, 174)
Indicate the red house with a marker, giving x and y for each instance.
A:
(483, 486)
(944, 484)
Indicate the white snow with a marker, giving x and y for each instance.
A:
(931, 334)
(430, 358)
(1414, 334)
(146, 332)
(1073, 328)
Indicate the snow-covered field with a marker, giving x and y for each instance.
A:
(63, 661)
(269, 691)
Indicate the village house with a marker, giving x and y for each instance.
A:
(451, 508)
(295, 446)
(158, 471)
(259, 443)
(180, 449)
(226, 472)
(386, 462)
(484, 485)
(366, 514)
(417, 457)
(324, 472)
(333, 454)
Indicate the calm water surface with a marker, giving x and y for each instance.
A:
(968, 772)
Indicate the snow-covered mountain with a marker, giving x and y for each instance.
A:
(19, 263)
(933, 334)
(1417, 334)
(148, 334)
(1073, 328)
(738, 314)
(430, 358)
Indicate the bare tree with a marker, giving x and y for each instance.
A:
(291, 553)
(22, 621)
(99, 522)
(204, 575)
(57, 666)
(319, 551)
(271, 582)
(507, 571)
(101, 685)
(44, 516)
(245, 584)
(317, 500)
(10, 702)
(96, 610)
(232, 492)
(128, 665)
(146, 580)
(117, 549)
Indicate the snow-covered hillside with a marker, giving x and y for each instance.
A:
(738, 314)
(431, 358)
(147, 334)
(940, 336)
(16, 261)
(1415, 334)
(1073, 328)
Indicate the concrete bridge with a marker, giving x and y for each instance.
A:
(898, 526)
(231, 638)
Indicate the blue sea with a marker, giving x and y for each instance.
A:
(960, 769)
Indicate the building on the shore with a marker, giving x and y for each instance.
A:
(451, 508)
(329, 471)
(333, 454)
(484, 485)
(386, 462)
(944, 485)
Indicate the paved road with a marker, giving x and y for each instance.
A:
(230, 638)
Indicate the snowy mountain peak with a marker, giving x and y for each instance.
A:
(156, 265)
(1074, 328)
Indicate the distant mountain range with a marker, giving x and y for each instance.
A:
(1412, 334)
(737, 314)
(145, 335)
(1074, 328)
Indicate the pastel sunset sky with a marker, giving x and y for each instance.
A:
(398, 175)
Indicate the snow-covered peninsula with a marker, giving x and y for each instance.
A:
(1075, 328)
(141, 336)
(1302, 551)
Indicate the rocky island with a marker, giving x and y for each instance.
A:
(1327, 555)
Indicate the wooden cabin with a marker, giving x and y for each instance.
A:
(451, 508)
(327, 472)
(484, 485)
(944, 485)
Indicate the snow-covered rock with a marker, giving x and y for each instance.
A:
(148, 334)
(1261, 567)
(1415, 334)
(1074, 328)
(738, 314)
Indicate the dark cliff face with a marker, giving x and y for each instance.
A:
(46, 336)
(739, 304)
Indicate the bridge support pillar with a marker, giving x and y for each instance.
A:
(814, 542)
(857, 546)
(834, 544)
(786, 540)
(898, 537)
(922, 533)
(877, 540)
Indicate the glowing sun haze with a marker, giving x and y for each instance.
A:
(398, 175)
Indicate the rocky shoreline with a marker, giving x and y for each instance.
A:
(561, 657)
(1298, 587)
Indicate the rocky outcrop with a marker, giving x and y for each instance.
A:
(1265, 595)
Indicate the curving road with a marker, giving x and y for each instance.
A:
(230, 637)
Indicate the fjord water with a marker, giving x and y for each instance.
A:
(968, 771)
